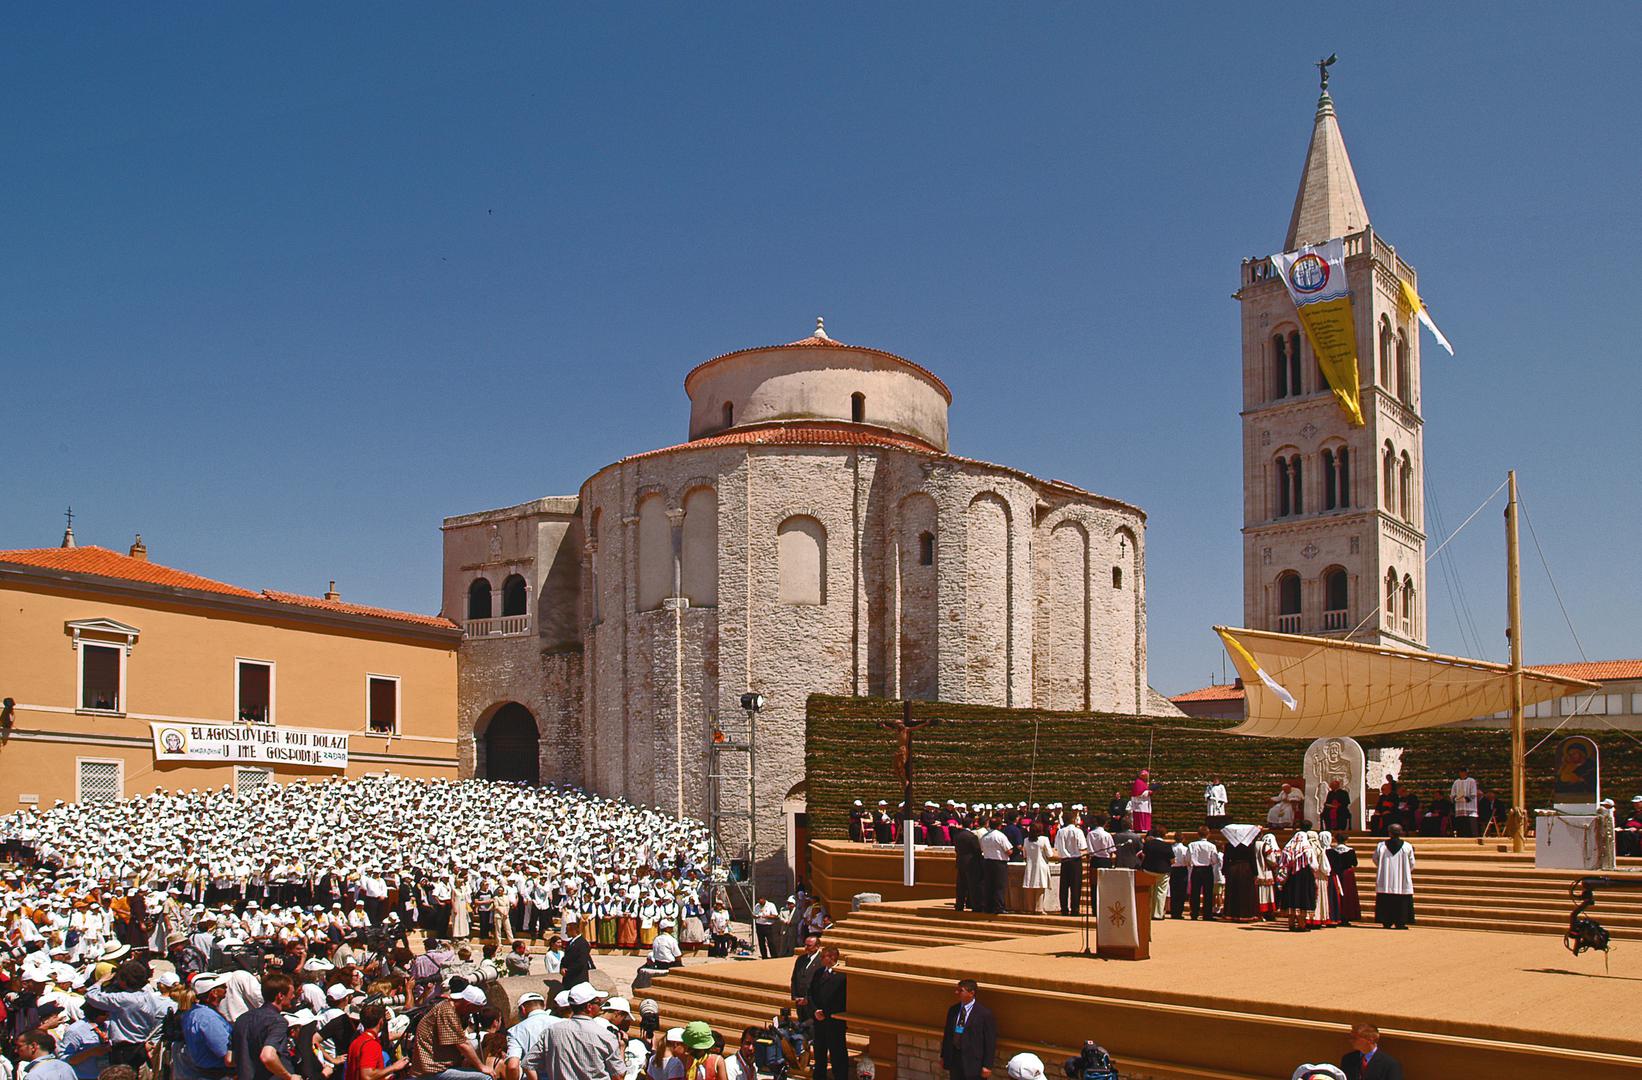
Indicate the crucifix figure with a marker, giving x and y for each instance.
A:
(903, 729)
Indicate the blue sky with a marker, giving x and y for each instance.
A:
(285, 285)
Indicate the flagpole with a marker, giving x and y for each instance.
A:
(1513, 592)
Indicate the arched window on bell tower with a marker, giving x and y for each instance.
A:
(1280, 366)
(1388, 475)
(1405, 487)
(1294, 364)
(1331, 481)
(1385, 353)
(1405, 375)
(1288, 602)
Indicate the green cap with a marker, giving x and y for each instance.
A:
(697, 1035)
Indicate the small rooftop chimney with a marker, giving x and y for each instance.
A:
(139, 550)
(331, 593)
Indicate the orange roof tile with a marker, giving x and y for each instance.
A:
(1221, 692)
(800, 433)
(101, 562)
(827, 343)
(298, 600)
(1595, 670)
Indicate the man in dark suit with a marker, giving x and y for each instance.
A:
(826, 1004)
(578, 958)
(804, 967)
(1366, 1060)
(966, 849)
(970, 1039)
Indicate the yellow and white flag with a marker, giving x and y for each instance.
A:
(1418, 305)
(1244, 659)
(1316, 280)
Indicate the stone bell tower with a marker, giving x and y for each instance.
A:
(1333, 515)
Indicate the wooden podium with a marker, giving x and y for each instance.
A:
(1124, 930)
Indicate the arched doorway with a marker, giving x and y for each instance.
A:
(795, 813)
(511, 741)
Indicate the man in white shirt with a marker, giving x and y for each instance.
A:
(664, 951)
(1214, 803)
(1180, 877)
(1070, 848)
(995, 852)
(1102, 848)
(764, 916)
(1202, 854)
(1464, 793)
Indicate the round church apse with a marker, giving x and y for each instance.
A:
(511, 741)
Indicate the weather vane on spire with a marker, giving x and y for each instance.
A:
(1322, 70)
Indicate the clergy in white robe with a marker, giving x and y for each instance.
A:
(1464, 794)
(1214, 803)
(1394, 881)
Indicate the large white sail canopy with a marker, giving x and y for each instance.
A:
(1349, 688)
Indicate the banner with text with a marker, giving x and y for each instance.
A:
(252, 744)
(1316, 280)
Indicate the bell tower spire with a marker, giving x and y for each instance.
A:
(1329, 203)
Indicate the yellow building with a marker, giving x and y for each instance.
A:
(120, 675)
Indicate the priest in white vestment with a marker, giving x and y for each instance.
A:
(1394, 881)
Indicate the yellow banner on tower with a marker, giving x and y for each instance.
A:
(1316, 280)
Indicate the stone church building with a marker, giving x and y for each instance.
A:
(814, 534)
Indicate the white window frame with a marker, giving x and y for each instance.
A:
(119, 765)
(266, 770)
(273, 689)
(80, 679)
(398, 704)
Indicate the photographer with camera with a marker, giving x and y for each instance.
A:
(1094, 1063)
(969, 1040)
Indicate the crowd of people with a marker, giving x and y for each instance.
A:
(1220, 870)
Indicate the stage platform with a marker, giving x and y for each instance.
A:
(1216, 1000)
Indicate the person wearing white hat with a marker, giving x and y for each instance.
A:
(618, 1013)
(1025, 1067)
(207, 1036)
(582, 1047)
(524, 1036)
(441, 1046)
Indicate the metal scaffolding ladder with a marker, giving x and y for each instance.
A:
(731, 798)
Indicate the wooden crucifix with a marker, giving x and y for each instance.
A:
(903, 728)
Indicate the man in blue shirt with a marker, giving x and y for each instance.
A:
(84, 1046)
(37, 1049)
(207, 1036)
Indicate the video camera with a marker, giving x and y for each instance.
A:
(1094, 1063)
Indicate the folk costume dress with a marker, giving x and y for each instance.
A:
(1299, 886)
(1344, 906)
(1268, 855)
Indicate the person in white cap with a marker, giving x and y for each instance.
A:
(525, 1037)
(441, 1047)
(583, 1047)
(207, 1036)
(619, 1015)
(1025, 1067)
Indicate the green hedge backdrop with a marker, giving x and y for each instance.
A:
(983, 754)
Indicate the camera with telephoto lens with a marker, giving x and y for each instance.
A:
(1094, 1063)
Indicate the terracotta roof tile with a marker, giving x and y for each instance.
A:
(1595, 670)
(342, 607)
(1222, 692)
(101, 562)
(826, 343)
(800, 433)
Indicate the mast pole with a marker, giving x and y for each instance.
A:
(1513, 582)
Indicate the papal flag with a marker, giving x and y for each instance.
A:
(1316, 280)
(1244, 659)
(1414, 301)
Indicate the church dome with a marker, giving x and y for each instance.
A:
(818, 379)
